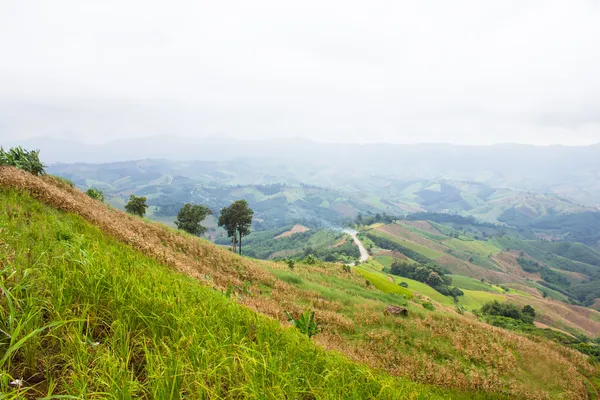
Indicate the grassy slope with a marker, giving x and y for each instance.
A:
(484, 359)
(130, 327)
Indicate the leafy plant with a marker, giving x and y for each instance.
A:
(310, 260)
(95, 194)
(427, 305)
(290, 263)
(27, 160)
(305, 323)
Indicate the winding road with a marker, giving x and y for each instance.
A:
(364, 254)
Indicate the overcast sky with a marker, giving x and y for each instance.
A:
(476, 72)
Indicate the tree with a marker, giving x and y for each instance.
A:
(190, 216)
(136, 206)
(95, 194)
(237, 219)
(528, 310)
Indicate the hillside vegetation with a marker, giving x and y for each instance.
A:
(119, 320)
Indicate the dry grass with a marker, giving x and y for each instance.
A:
(295, 229)
(442, 347)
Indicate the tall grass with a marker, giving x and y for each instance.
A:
(86, 316)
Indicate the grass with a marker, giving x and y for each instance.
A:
(473, 246)
(423, 250)
(466, 282)
(92, 318)
(152, 332)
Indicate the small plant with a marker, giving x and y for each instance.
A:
(290, 263)
(310, 260)
(427, 305)
(27, 160)
(368, 283)
(347, 268)
(403, 284)
(460, 309)
(95, 194)
(305, 323)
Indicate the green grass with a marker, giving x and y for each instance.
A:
(97, 319)
(423, 250)
(381, 282)
(466, 282)
(474, 299)
(473, 246)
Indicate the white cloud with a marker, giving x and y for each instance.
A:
(461, 71)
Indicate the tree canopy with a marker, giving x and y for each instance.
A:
(136, 205)
(237, 220)
(190, 216)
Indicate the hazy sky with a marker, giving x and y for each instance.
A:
(457, 71)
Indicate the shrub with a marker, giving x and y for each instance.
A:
(290, 263)
(310, 260)
(305, 323)
(95, 194)
(403, 284)
(427, 305)
(27, 160)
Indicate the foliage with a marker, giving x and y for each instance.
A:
(27, 160)
(403, 284)
(190, 217)
(528, 265)
(369, 219)
(389, 244)
(305, 323)
(431, 274)
(136, 205)
(290, 263)
(310, 260)
(427, 305)
(509, 310)
(95, 194)
(236, 220)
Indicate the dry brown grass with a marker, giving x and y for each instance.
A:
(441, 348)
(295, 229)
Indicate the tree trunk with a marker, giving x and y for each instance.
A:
(240, 244)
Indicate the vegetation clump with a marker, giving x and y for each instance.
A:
(305, 323)
(432, 275)
(27, 160)
(95, 194)
(509, 310)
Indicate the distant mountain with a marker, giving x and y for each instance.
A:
(572, 172)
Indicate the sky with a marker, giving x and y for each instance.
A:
(463, 72)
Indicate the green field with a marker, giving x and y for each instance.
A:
(472, 246)
(426, 251)
(465, 282)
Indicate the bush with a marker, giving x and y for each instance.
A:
(508, 310)
(305, 323)
(27, 160)
(95, 194)
(310, 260)
(291, 264)
(427, 305)
(403, 284)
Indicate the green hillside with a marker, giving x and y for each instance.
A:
(90, 317)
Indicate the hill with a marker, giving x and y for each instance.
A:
(113, 302)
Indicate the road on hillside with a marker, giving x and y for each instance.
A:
(364, 254)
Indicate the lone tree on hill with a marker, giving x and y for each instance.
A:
(236, 219)
(190, 216)
(136, 206)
